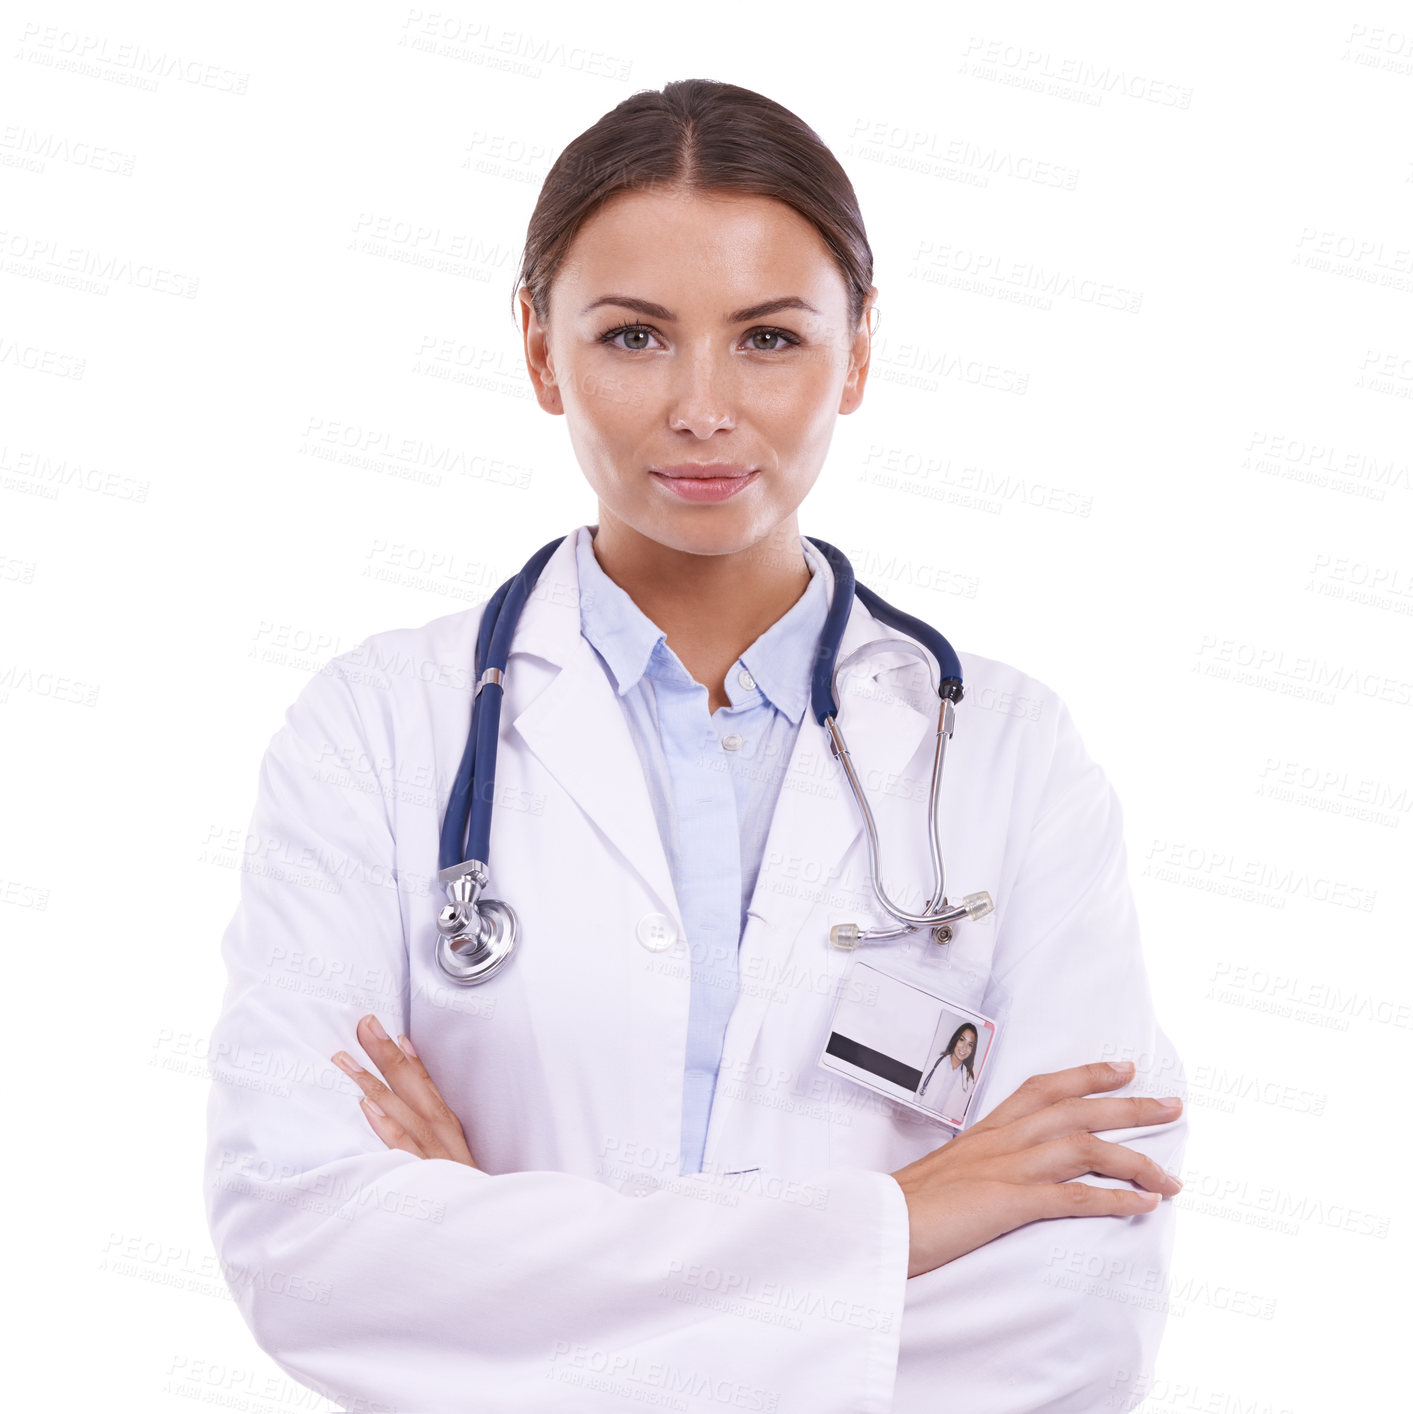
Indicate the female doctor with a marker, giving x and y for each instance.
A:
(613, 1173)
(953, 1090)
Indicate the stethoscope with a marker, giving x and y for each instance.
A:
(476, 934)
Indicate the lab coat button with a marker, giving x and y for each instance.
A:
(656, 931)
(745, 679)
(732, 742)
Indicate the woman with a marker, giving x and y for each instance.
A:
(954, 1089)
(663, 1198)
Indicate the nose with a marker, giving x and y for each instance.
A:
(702, 394)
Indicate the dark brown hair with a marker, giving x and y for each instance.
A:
(696, 135)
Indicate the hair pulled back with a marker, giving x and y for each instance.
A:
(696, 136)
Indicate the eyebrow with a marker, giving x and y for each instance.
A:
(739, 316)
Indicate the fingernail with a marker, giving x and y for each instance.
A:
(376, 1027)
(344, 1061)
(1173, 1178)
(1121, 1067)
(375, 1107)
(406, 1043)
(1170, 1102)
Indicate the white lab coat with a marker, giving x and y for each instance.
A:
(574, 1270)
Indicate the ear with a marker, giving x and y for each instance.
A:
(537, 355)
(859, 355)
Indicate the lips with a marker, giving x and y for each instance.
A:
(703, 471)
(704, 481)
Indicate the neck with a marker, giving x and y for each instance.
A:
(711, 607)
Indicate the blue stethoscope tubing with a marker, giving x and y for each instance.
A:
(477, 934)
(478, 761)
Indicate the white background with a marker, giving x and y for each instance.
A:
(1146, 274)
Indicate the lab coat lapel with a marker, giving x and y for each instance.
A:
(577, 729)
(815, 848)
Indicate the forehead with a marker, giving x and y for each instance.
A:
(703, 252)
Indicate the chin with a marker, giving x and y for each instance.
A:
(699, 530)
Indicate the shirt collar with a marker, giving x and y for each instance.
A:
(781, 660)
(623, 634)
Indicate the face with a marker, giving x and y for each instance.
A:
(686, 330)
(966, 1043)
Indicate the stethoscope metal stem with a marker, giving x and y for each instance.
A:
(936, 913)
(927, 918)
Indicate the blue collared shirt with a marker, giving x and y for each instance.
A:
(713, 778)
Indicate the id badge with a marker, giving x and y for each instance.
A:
(907, 1042)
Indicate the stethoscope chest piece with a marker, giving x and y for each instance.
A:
(474, 935)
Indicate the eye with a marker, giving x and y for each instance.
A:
(766, 333)
(635, 330)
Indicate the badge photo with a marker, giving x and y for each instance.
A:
(907, 1042)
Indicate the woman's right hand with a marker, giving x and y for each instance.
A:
(1010, 1167)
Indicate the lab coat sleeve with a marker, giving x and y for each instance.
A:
(386, 1281)
(1062, 1315)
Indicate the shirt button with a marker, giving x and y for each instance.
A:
(656, 931)
(732, 742)
(745, 679)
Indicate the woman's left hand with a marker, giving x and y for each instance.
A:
(408, 1112)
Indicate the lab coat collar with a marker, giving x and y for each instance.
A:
(577, 729)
